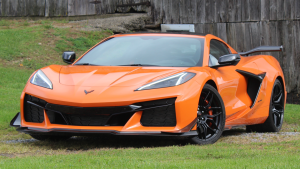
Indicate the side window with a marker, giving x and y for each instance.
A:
(217, 49)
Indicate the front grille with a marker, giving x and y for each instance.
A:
(163, 113)
(33, 113)
(90, 116)
(155, 113)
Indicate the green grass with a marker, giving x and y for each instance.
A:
(219, 155)
(41, 43)
(11, 85)
(4, 23)
(80, 43)
(20, 43)
(292, 114)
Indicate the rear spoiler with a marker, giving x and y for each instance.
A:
(262, 49)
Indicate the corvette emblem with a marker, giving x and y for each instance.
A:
(88, 92)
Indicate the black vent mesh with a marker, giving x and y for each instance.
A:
(33, 113)
(160, 116)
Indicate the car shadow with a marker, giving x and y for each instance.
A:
(234, 132)
(82, 143)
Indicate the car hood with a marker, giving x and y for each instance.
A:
(113, 75)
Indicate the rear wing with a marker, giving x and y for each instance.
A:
(262, 49)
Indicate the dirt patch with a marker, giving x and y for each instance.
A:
(7, 155)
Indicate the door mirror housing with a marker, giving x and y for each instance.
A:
(69, 57)
(229, 59)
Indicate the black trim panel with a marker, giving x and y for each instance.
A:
(253, 85)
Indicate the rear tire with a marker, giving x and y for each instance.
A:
(276, 112)
(50, 137)
(211, 117)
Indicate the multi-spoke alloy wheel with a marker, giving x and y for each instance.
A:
(277, 105)
(210, 116)
(276, 111)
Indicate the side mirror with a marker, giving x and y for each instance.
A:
(69, 57)
(229, 59)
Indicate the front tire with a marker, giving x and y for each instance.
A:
(211, 116)
(276, 112)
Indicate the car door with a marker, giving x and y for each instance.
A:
(231, 84)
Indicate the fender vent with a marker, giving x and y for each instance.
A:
(253, 84)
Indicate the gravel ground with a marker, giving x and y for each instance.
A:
(243, 137)
(20, 141)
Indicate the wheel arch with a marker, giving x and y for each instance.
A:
(281, 81)
(212, 83)
(283, 85)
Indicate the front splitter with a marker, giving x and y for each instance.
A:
(79, 132)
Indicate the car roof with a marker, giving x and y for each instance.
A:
(175, 33)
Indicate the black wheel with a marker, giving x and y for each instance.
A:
(276, 112)
(50, 137)
(211, 116)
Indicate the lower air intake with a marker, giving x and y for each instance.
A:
(33, 113)
(162, 115)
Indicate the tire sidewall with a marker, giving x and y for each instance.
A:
(212, 140)
(270, 118)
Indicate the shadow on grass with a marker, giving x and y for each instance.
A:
(234, 132)
(81, 143)
(110, 141)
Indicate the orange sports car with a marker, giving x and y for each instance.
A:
(161, 84)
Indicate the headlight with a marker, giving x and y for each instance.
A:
(40, 79)
(170, 81)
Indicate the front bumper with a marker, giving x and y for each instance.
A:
(16, 122)
(134, 125)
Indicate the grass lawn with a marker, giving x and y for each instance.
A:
(29, 45)
(220, 155)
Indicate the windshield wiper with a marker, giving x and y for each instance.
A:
(138, 65)
(87, 64)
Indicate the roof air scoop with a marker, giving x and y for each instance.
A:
(177, 28)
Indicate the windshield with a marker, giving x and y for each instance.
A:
(146, 51)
